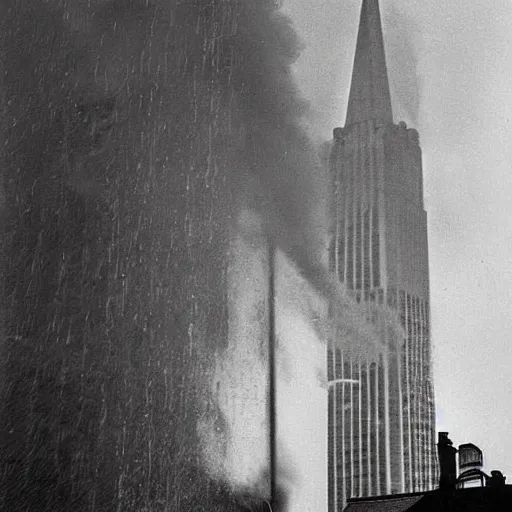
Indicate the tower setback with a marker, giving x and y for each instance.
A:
(381, 412)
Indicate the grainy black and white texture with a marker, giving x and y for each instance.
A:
(132, 133)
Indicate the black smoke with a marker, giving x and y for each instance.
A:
(133, 132)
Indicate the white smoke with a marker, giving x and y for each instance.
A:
(302, 390)
(236, 441)
(237, 447)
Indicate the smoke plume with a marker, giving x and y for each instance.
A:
(402, 59)
(135, 132)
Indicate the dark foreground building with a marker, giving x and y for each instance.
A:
(381, 412)
(492, 494)
(465, 500)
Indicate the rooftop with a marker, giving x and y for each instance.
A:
(473, 499)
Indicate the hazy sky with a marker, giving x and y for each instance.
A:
(450, 68)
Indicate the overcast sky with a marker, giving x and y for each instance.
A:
(451, 75)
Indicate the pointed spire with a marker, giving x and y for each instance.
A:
(369, 93)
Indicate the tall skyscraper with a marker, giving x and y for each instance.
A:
(381, 413)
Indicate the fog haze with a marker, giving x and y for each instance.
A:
(449, 70)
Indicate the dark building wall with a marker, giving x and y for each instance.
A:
(110, 223)
(127, 130)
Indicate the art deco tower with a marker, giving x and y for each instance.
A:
(381, 413)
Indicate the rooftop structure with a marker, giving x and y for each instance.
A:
(491, 495)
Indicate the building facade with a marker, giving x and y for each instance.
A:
(381, 411)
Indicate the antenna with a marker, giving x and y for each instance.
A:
(272, 338)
